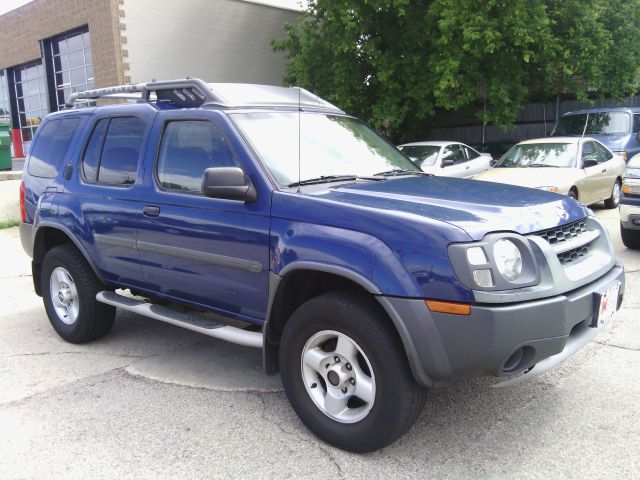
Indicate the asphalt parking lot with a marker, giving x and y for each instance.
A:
(154, 401)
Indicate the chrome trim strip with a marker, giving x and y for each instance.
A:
(212, 258)
(114, 241)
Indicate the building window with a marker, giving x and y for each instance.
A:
(72, 65)
(30, 86)
(5, 110)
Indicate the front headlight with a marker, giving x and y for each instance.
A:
(631, 182)
(500, 261)
(632, 173)
(549, 189)
(508, 259)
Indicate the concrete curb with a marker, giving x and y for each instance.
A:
(10, 175)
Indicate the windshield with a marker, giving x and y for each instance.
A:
(598, 123)
(422, 155)
(540, 155)
(331, 145)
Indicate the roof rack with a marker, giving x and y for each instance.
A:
(186, 92)
(193, 92)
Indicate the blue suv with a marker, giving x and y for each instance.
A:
(267, 217)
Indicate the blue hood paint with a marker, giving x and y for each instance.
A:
(476, 207)
(396, 232)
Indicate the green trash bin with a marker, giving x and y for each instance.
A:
(5, 147)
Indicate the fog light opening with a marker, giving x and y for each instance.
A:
(518, 361)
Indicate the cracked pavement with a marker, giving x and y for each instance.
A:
(154, 401)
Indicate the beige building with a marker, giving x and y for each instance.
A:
(51, 48)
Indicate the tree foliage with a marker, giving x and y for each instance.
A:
(395, 62)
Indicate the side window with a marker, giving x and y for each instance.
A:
(51, 146)
(188, 148)
(121, 151)
(454, 152)
(636, 123)
(112, 154)
(589, 151)
(91, 157)
(604, 155)
(471, 153)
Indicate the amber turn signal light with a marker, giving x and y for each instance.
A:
(448, 307)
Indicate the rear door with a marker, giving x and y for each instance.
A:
(207, 252)
(103, 201)
(455, 153)
(476, 163)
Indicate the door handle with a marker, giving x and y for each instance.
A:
(604, 170)
(151, 211)
(467, 167)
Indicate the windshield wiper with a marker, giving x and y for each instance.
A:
(542, 165)
(401, 171)
(323, 179)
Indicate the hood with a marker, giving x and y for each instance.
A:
(532, 177)
(476, 207)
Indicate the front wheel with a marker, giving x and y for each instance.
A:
(614, 199)
(346, 374)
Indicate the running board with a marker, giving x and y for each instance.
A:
(205, 326)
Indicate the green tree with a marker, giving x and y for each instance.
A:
(395, 62)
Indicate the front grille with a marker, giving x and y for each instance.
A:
(563, 233)
(572, 255)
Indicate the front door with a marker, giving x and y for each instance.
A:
(207, 252)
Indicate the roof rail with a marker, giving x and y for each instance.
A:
(187, 92)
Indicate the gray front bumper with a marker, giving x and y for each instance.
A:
(442, 347)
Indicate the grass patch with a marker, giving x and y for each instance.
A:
(9, 224)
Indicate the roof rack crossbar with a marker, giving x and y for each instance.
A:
(198, 86)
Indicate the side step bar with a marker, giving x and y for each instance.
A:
(207, 327)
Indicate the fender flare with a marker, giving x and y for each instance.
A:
(270, 351)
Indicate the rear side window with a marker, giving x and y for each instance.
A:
(113, 151)
(51, 146)
(188, 148)
(636, 123)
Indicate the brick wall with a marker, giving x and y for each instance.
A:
(22, 29)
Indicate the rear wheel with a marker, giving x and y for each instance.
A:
(346, 374)
(69, 289)
(630, 237)
(614, 199)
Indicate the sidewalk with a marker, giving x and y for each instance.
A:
(15, 173)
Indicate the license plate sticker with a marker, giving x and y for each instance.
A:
(607, 305)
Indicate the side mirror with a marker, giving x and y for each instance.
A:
(229, 183)
(447, 162)
(589, 163)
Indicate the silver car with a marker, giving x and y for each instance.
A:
(447, 159)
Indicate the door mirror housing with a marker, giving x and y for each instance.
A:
(589, 162)
(447, 162)
(229, 183)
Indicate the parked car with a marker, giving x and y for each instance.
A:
(363, 280)
(448, 159)
(582, 168)
(630, 204)
(617, 128)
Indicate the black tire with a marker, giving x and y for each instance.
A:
(573, 194)
(94, 319)
(398, 398)
(630, 237)
(613, 201)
